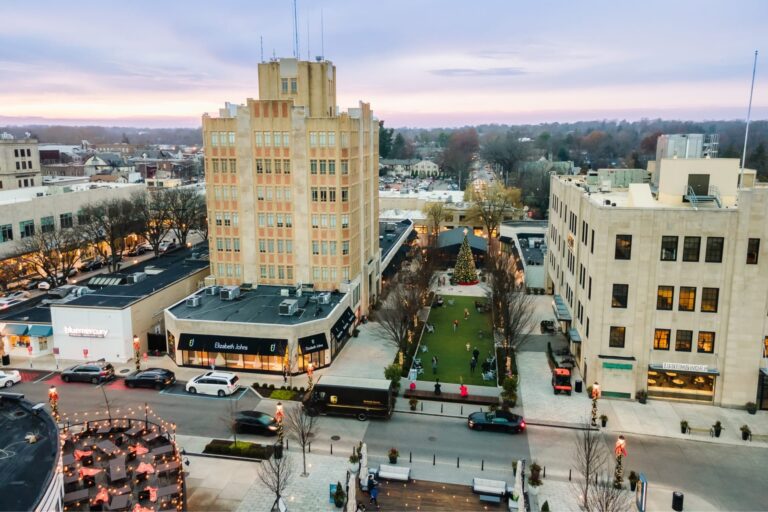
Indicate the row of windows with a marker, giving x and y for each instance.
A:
(665, 298)
(228, 244)
(684, 340)
(326, 273)
(279, 271)
(229, 270)
(222, 139)
(24, 165)
(661, 340)
(328, 195)
(225, 192)
(278, 166)
(322, 139)
(268, 246)
(21, 153)
(691, 251)
(294, 85)
(271, 220)
(274, 193)
(272, 139)
(226, 219)
(27, 227)
(329, 247)
(327, 167)
(329, 221)
(223, 165)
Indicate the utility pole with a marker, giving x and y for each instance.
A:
(749, 116)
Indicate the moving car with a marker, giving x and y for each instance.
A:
(95, 372)
(156, 378)
(561, 381)
(9, 377)
(255, 422)
(167, 247)
(350, 396)
(501, 421)
(214, 383)
(139, 249)
(8, 303)
(16, 295)
(91, 264)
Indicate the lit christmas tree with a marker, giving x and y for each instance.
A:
(465, 271)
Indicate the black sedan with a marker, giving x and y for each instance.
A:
(156, 378)
(254, 422)
(95, 373)
(499, 420)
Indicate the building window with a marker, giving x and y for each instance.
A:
(687, 298)
(331, 167)
(26, 228)
(227, 219)
(331, 139)
(668, 248)
(313, 166)
(286, 167)
(6, 233)
(47, 225)
(616, 339)
(691, 247)
(65, 220)
(706, 343)
(344, 194)
(664, 298)
(714, 252)
(753, 251)
(284, 85)
(286, 140)
(257, 139)
(214, 139)
(312, 139)
(314, 193)
(236, 242)
(294, 86)
(709, 298)
(623, 247)
(268, 139)
(683, 341)
(323, 167)
(315, 247)
(345, 247)
(345, 167)
(661, 339)
(259, 166)
(332, 195)
(619, 297)
(322, 139)
(263, 271)
(263, 246)
(345, 221)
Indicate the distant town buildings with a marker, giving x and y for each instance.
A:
(19, 163)
(411, 168)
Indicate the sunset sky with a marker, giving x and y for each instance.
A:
(419, 63)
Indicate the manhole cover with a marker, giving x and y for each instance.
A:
(125, 370)
(335, 438)
(432, 438)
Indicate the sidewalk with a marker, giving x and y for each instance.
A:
(656, 418)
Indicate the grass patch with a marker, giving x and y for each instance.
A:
(283, 394)
(450, 348)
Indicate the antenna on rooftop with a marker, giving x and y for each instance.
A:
(261, 44)
(322, 35)
(308, 57)
(749, 116)
(295, 31)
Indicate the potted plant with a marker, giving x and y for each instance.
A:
(717, 428)
(413, 403)
(339, 496)
(745, 432)
(633, 478)
(393, 455)
(545, 507)
(354, 461)
(684, 427)
(641, 396)
(534, 480)
(603, 419)
(751, 407)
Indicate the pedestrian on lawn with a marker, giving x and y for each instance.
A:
(476, 353)
(472, 364)
(434, 365)
(455, 325)
(466, 313)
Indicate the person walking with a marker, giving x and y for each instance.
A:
(434, 365)
(285, 374)
(455, 325)
(437, 387)
(472, 365)
(466, 313)
(374, 496)
(476, 354)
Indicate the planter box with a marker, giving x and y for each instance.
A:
(243, 449)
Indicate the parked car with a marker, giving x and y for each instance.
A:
(91, 264)
(254, 422)
(214, 383)
(15, 295)
(43, 285)
(9, 377)
(499, 420)
(548, 326)
(156, 378)
(167, 247)
(95, 372)
(139, 249)
(9, 303)
(32, 284)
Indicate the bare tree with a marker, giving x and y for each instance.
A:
(301, 426)
(106, 225)
(606, 497)
(53, 253)
(9, 273)
(186, 207)
(436, 213)
(276, 474)
(398, 316)
(590, 457)
(492, 206)
(511, 308)
(153, 215)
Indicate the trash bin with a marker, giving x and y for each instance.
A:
(677, 501)
(6, 359)
(577, 386)
(278, 450)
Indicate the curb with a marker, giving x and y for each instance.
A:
(216, 456)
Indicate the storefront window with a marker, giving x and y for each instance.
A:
(661, 339)
(706, 342)
(683, 340)
(42, 343)
(316, 358)
(670, 384)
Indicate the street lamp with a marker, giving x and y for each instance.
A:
(279, 418)
(310, 370)
(595, 396)
(137, 351)
(53, 400)
(620, 449)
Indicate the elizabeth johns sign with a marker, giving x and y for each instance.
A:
(86, 333)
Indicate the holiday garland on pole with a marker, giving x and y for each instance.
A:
(465, 271)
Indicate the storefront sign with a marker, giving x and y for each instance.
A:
(231, 344)
(685, 367)
(316, 343)
(228, 347)
(86, 333)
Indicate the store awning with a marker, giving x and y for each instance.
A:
(41, 331)
(14, 330)
(232, 344)
(346, 319)
(314, 343)
(573, 335)
(560, 309)
(684, 368)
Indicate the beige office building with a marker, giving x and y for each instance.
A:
(293, 186)
(660, 283)
(19, 163)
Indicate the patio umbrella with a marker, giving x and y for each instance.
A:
(351, 495)
(363, 464)
(518, 488)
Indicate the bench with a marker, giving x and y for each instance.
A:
(451, 397)
(402, 473)
(701, 430)
(490, 499)
(485, 486)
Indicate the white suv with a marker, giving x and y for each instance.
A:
(214, 383)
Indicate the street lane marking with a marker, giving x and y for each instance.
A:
(43, 377)
(240, 394)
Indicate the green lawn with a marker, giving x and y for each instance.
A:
(450, 348)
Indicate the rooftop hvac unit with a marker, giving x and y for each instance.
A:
(229, 293)
(194, 302)
(288, 307)
(212, 290)
(324, 298)
(285, 292)
(136, 277)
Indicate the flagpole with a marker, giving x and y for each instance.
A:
(749, 116)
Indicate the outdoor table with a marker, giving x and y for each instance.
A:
(167, 491)
(67, 460)
(150, 437)
(104, 430)
(168, 467)
(76, 496)
(108, 447)
(117, 469)
(678, 382)
(119, 502)
(652, 382)
(671, 374)
(70, 479)
(89, 471)
(125, 489)
(653, 373)
(134, 430)
(162, 450)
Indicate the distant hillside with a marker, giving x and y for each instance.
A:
(108, 134)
